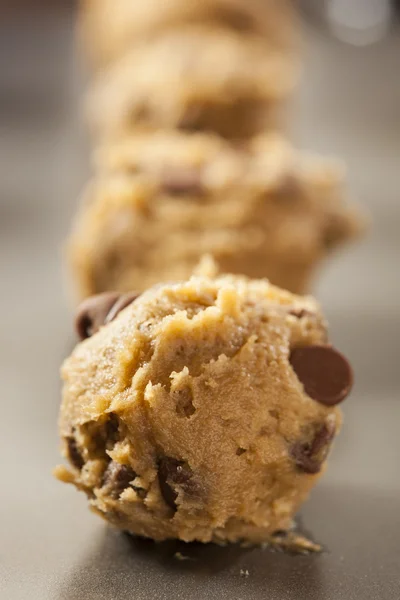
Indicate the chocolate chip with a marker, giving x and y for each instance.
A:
(74, 455)
(181, 182)
(172, 472)
(309, 457)
(335, 231)
(300, 313)
(323, 437)
(191, 119)
(117, 478)
(289, 189)
(234, 18)
(326, 374)
(102, 435)
(141, 492)
(112, 428)
(92, 313)
(122, 302)
(240, 451)
(279, 533)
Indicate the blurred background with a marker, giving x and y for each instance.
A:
(348, 105)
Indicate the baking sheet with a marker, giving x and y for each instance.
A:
(52, 547)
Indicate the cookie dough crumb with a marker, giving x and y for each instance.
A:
(293, 542)
(207, 267)
(63, 474)
(181, 557)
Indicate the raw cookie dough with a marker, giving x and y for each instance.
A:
(204, 410)
(195, 78)
(109, 28)
(160, 202)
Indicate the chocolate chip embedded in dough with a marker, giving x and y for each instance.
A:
(140, 492)
(121, 303)
(234, 18)
(289, 189)
(309, 457)
(171, 473)
(323, 437)
(300, 313)
(191, 119)
(104, 436)
(117, 478)
(74, 454)
(326, 374)
(240, 451)
(112, 428)
(279, 533)
(335, 231)
(181, 182)
(92, 313)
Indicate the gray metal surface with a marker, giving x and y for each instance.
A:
(51, 546)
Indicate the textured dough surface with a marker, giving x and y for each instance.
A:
(108, 28)
(160, 202)
(194, 78)
(180, 418)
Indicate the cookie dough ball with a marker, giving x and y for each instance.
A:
(109, 28)
(161, 202)
(205, 410)
(197, 79)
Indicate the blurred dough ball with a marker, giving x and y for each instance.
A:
(159, 203)
(194, 78)
(107, 28)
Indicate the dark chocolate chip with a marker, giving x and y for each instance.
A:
(234, 18)
(240, 451)
(289, 189)
(191, 119)
(300, 313)
(336, 230)
(172, 472)
(122, 302)
(279, 533)
(92, 312)
(104, 435)
(323, 437)
(326, 374)
(117, 478)
(181, 182)
(141, 492)
(309, 457)
(112, 427)
(74, 455)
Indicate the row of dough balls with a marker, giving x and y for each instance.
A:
(203, 409)
(175, 78)
(226, 66)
